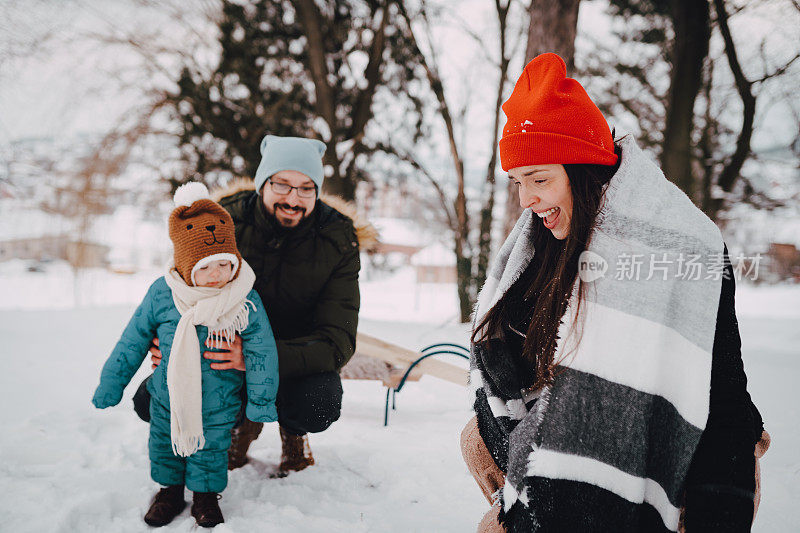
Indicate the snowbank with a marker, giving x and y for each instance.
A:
(69, 467)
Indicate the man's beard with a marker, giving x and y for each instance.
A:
(287, 207)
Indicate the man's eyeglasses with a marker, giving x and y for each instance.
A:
(285, 188)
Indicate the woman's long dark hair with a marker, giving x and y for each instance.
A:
(550, 284)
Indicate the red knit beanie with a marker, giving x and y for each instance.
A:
(551, 120)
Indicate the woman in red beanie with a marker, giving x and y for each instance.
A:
(609, 388)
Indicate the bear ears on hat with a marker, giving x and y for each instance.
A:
(268, 139)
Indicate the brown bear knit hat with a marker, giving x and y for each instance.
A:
(201, 232)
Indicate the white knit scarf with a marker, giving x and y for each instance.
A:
(224, 312)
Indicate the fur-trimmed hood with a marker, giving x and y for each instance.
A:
(366, 233)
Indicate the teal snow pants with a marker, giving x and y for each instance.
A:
(206, 470)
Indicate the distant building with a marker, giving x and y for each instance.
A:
(435, 264)
(783, 261)
(399, 239)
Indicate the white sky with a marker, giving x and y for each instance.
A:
(71, 87)
(72, 84)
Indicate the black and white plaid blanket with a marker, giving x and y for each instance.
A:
(608, 445)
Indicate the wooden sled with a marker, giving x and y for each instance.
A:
(394, 365)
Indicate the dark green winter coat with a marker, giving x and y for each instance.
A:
(306, 276)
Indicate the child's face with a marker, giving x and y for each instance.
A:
(215, 274)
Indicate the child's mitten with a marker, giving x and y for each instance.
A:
(261, 413)
(101, 399)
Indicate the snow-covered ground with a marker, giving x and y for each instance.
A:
(69, 467)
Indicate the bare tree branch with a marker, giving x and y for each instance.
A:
(479, 39)
(444, 109)
(461, 242)
(311, 19)
(444, 201)
(372, 73)
(778, 71)
(487, 211)
(734, 165)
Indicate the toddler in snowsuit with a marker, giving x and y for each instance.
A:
(205, 298)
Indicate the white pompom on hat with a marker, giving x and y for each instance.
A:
(189, 193)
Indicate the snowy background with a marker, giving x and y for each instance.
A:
(68, 467)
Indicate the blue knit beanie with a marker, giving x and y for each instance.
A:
(290, 153)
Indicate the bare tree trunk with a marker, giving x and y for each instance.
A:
(690, 21)
(552, 28)
(310, 17)
(485, 228)
(337, 184)
(342, 182)
(707, 136)
(553, 25)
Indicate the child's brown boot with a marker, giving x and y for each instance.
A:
(167, 504)
(205, 509)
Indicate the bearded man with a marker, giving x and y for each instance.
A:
(304, 249)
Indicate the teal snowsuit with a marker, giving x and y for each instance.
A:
(207, 469)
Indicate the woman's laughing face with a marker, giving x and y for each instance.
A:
(546, 190)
